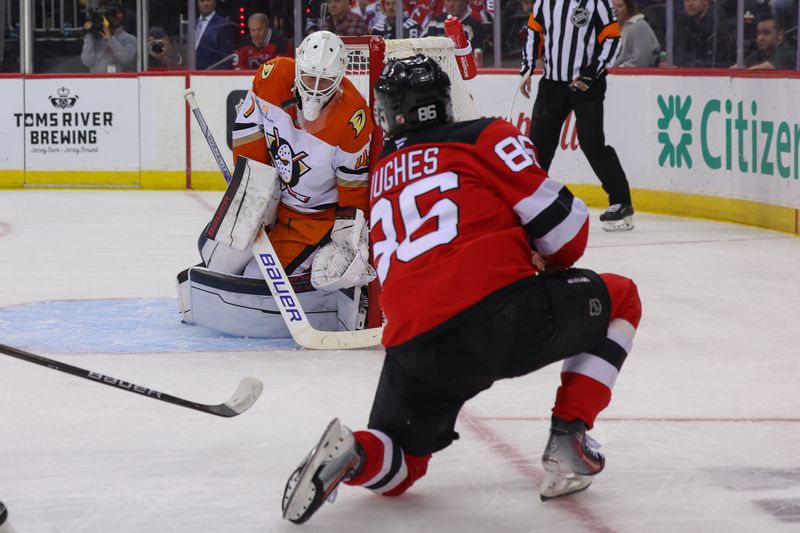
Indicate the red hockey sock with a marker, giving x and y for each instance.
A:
(387, 470)
(580, 397)
(587, 378)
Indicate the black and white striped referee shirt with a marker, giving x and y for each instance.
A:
(570, 35)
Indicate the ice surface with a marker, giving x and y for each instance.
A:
(702, 433)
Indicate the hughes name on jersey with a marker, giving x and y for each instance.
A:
(307, 156)
(455, 213)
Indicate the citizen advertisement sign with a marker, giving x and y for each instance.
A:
(80, 124)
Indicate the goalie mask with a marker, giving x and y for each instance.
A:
(412, 93)
(319, 67)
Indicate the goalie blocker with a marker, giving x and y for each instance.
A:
(226, 291)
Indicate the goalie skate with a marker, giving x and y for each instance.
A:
(618, 217)
(334, 459)
(571, 459)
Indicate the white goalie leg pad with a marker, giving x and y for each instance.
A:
(184, 297)
(244, 307)
(224, 259)
(344, 262)
(351, 308)
(250, 201)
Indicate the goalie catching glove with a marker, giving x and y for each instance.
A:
(344, 262)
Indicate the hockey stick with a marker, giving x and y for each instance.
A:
(188, 94)
(242, 399)
(278, 282)
(301, 329)
(516, 92)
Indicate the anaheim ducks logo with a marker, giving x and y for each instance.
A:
(267, 70)
(289, 164)
(358, 121)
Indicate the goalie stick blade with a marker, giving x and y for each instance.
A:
(246, 394)
(292, 312)
(315, 339)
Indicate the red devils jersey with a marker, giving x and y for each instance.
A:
(249, 56)
(455, 213)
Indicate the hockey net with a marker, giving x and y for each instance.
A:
(366, 57)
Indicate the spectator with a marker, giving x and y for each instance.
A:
(107, 47)
(161, 54)
(772, 51)
(639, 46)
(261, 45)
(386, 26)
(460, 9)
(213, 37)
(372, 12)
(414, 24)
(342, 21)
(703, 36)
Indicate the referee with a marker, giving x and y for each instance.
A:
(577, 40)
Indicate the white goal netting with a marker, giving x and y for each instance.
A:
(365, 62)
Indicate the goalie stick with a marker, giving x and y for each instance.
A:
(243, 398)
(271, 269)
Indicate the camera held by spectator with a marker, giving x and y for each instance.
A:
(97, 21)
(161, 53)
(107, 47)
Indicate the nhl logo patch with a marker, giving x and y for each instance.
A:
(580, 17)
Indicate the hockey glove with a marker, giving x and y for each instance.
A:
(344, 262)
(586, 76)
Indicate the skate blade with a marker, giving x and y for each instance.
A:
(295, 507)
(626, 224)
(558, 485)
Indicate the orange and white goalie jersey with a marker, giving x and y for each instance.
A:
(324, 163)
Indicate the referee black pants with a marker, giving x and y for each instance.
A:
(553, 103)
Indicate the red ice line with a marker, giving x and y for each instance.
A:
(202, 201)
(521, 461)
(653, 419)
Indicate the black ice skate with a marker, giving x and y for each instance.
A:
(333, 460)
(570, 460)
(618, 217)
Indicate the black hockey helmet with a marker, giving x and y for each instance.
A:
(412, 93)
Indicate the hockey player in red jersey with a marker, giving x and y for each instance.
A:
(474, 247)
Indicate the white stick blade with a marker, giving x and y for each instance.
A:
(245, 395)
(339, 340)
